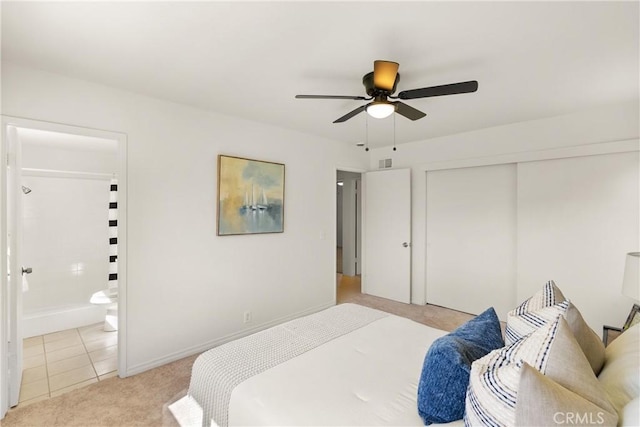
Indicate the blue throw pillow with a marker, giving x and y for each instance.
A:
(445, 372)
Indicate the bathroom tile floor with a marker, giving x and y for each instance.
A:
(59, 362)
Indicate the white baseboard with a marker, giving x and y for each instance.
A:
(142, 367)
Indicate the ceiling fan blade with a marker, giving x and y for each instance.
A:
(356, 98)
(384, 74)
(450, 89)
(351, 114)
(408, 111)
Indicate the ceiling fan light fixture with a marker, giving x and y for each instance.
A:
(380, 109)
(381, 83)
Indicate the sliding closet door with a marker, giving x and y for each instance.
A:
(471, 230)
(577, 218)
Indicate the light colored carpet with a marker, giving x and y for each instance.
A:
(431, 315)
(142, 400)
(139, 400)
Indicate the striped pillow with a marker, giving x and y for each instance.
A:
(545, 306)
(493, 383)
(538, 310)
(492, 397)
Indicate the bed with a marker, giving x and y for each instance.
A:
(359, 362)
(347, 365)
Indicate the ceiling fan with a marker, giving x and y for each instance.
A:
(381, 83)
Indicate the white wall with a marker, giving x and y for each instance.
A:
(608, 123)
(187, 288)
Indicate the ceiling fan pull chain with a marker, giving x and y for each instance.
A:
(394, 132)
(366, 133)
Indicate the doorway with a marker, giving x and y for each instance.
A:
(348, 233)
(62, 236)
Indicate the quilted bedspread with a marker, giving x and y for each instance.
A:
(218, 371)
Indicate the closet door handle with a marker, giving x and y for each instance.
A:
(27, 270)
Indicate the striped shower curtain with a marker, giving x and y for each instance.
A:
(113, 239)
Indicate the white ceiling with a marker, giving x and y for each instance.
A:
(531, 59)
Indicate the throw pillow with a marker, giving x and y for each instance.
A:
(541, 307)
(545, 306)
(620, 376)
(445, 372)
(544, 402)
(494, 390)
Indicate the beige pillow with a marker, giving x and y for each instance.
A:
(589, 341)
(543, 402)
(545, 306)
(493, 395)
(620, 376)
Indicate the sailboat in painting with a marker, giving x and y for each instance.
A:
(251, 203)
(264, 205)
(247, 203)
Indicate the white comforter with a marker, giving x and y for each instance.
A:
(366, 377)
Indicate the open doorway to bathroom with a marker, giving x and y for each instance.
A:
(66, 232)
(348, 234)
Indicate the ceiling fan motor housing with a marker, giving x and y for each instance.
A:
(367, 81)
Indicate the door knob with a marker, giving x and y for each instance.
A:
(405, 245)
(27, 270)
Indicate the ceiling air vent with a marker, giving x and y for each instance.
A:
(384, 163)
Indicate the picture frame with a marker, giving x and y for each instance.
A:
(633, 318)
(250, 196)
(610, 333)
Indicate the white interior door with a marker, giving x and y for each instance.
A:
(387, 234)
(14, 288)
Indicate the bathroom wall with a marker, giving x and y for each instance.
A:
(65, 232)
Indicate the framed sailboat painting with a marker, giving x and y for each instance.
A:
(250, 196)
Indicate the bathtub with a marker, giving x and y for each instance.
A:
(40, 322)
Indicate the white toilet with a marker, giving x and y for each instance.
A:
(106, 297)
